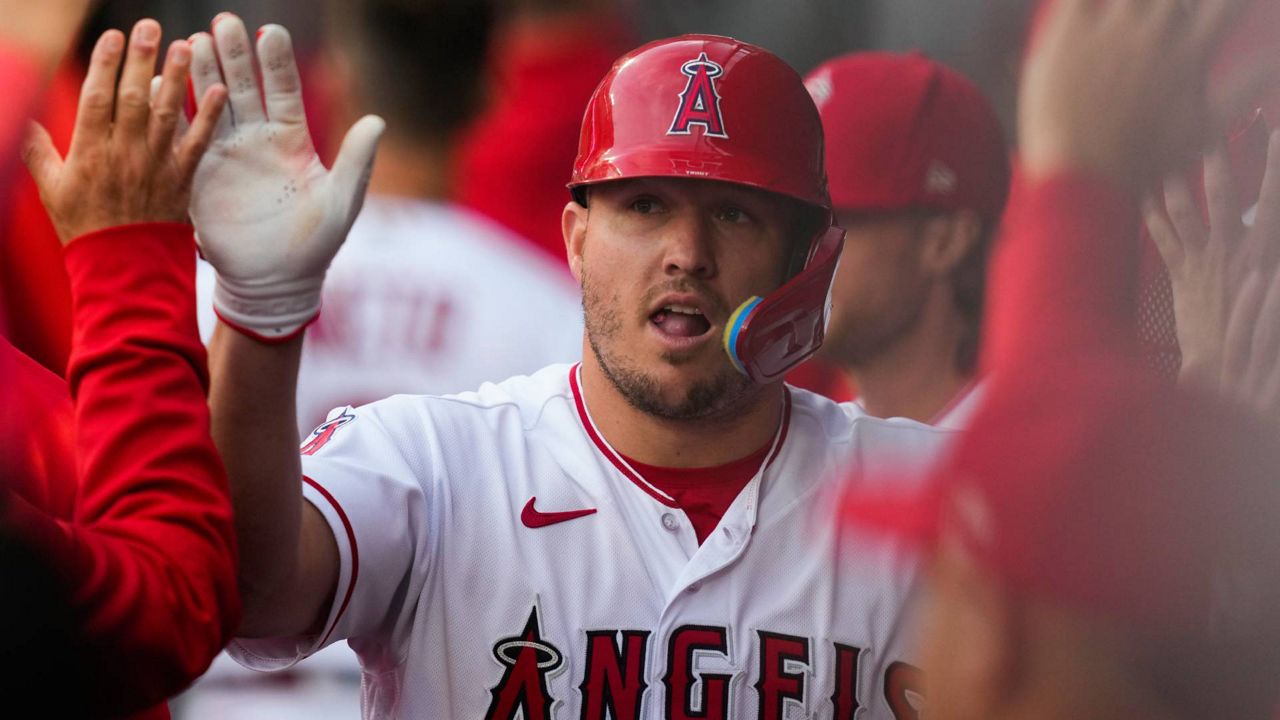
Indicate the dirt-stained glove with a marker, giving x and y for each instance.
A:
(269, 216)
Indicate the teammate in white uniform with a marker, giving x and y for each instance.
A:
(919, 177)
(563, 545)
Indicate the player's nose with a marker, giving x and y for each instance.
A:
(688, 247)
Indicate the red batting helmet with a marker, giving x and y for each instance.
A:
(713, 108)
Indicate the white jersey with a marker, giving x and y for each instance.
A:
(424, 297)
(500, 560)
(431, 298)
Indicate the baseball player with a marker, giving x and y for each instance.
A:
(1151, 591)
(919, 176)
(645, 533)
(404, 310)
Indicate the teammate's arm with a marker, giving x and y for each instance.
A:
(148, 550)
(270, 217)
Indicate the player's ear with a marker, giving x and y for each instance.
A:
(573, 223)
(947, 241)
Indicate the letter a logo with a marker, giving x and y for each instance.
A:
(700, 103)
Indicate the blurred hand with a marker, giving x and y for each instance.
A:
(126, 169)
(1226, 281)
(268, 215)
(46, 28)
(1206, 264)
(1117, 88)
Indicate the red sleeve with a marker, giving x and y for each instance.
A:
(37, 445)
(1065, 277)
(150, 551)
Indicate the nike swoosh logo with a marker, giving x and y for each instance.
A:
(532, 518)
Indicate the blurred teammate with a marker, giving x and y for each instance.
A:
(138, 536)
(646, 533)
(1103, 546)
(919, 177)
(546, 58)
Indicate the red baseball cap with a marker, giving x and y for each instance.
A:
(1087, 482)
(904, 131)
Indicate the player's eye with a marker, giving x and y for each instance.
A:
(646, 205)
(733, 214)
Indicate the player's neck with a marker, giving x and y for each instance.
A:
(410, 170)
(916, 376)
(705, 442)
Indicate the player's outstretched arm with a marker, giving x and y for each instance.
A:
(149, 548)
(270, 217)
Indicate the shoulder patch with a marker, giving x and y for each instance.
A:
(321, 435)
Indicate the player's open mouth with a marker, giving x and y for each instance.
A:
(684, 321)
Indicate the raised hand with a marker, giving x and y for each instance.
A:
(125, 168)
(269, 216)
(1118, 89)
(1226, 282)
(1206, 264)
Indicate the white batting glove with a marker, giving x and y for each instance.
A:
(269, 217)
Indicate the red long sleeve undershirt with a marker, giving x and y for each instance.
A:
(149, 549)
(1065, 277)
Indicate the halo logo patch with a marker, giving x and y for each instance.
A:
(700, 102)
(324, 433)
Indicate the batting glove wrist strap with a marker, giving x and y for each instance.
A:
(272, 312)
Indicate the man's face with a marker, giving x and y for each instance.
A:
(881, 287)
(663, 263)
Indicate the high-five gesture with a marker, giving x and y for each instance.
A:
(268, 214)
(125, 168)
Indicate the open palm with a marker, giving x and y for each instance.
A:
(268, 214)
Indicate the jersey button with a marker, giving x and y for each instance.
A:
(669, 522)
(695, 587)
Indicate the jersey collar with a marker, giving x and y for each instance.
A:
(629, 472)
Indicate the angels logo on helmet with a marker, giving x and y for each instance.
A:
(700, 102)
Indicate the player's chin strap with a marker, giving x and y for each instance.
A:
(766, 337)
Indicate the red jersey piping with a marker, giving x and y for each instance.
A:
(625, 468)
(355, 554)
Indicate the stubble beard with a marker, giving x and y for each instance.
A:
(718, 395)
